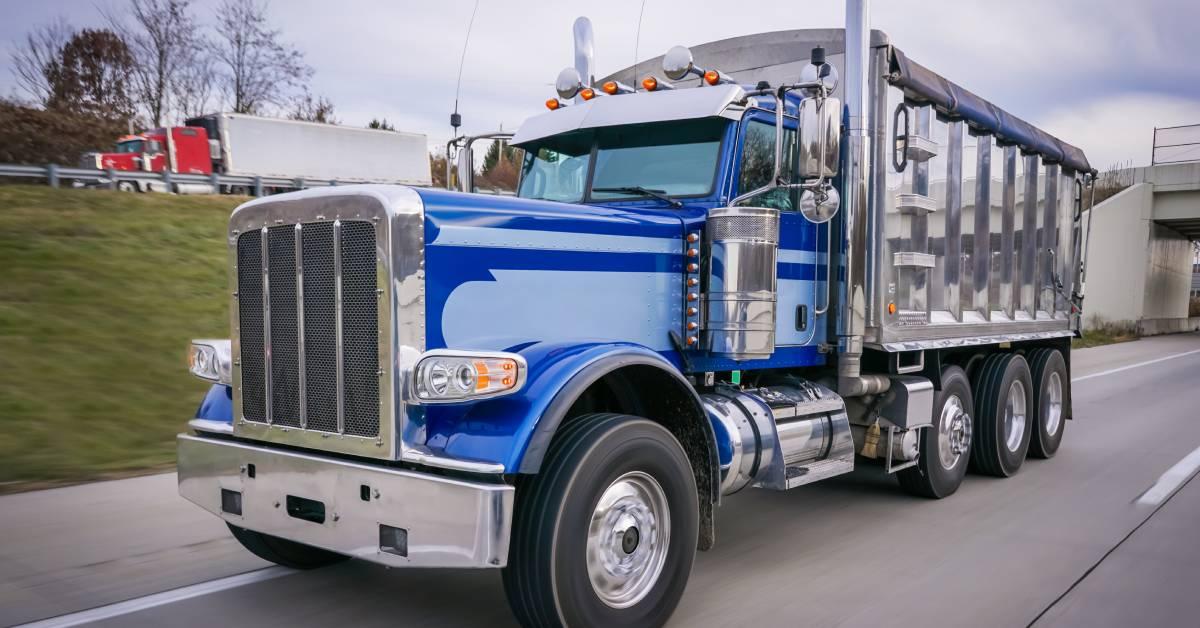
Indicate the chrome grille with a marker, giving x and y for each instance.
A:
(308, 327)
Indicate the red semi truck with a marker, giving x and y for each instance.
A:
(181, 149)
(253, 146)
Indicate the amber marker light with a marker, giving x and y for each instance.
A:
(649, 83)
(553, 104)
(587, 93)
(712, 77)
(610, 88)
(891, 308)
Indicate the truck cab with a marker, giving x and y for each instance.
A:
(694, 292)
(176, 149)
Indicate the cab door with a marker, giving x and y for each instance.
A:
(802, 277)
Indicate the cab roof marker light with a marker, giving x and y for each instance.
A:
(612, 88)
(654, 84)
(587, 93)
(716, 77)
(554, 103)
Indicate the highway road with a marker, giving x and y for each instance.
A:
(1066, 542)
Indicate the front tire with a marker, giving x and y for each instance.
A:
(1004, 414)
(284, 552)
(945, 447)
(605, 533)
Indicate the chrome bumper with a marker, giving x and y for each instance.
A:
(440, 522)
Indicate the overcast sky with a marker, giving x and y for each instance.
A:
(1098, 74)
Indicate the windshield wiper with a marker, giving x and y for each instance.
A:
(637, 189)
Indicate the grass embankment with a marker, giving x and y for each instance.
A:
(100, 293)
(1104, 334)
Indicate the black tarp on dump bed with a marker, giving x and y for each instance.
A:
(924, 86)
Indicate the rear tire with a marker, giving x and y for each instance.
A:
(945, 447)
(1004, 414)
(1050, 384)
(605, 533)
(284, 552)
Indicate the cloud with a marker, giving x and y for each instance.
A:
(1119, 129)
(1048, 62)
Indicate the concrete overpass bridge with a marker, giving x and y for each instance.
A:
(1139, 267)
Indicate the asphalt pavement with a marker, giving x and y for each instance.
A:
(1065, 542)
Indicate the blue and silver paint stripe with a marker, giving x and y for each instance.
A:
(492, 237)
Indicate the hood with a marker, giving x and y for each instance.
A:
(502, 272)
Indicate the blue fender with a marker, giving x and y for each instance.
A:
(217, 404)
(516, 430)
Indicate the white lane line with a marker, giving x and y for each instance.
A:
(159, 599)
(1170, 481)
(1133, 366)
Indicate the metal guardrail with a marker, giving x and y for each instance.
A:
(170, 181)
(1175, 144)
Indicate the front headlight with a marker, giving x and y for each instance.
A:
(210, 360)
(443, 376)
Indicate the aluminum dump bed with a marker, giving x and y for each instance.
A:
(973, 233)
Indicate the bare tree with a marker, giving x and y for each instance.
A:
(32, 58)
(255, 68)
(194, 84)
(162, 36)
(309, 109)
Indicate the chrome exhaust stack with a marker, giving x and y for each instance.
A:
(851, 319)
(585, 52)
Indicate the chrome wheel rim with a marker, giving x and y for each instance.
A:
(954, 432)
(627, 541)
(1054, 400)
(1014, 416)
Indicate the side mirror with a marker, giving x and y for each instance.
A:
(465, 167)
(820, 135)
(817, 148)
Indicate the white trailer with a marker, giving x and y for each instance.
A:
(272, 147)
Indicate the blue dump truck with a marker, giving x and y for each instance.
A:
(695, 291)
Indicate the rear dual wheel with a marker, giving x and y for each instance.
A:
(1004, 411)
(1049, 371)
(946, 445)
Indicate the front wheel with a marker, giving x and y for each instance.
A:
(605, 533)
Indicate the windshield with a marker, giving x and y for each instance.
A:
(676, 159)
(131, 146)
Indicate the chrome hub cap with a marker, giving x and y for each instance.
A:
(954, 432)
(1054, 400)
(1014, 416)
(628, 538)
